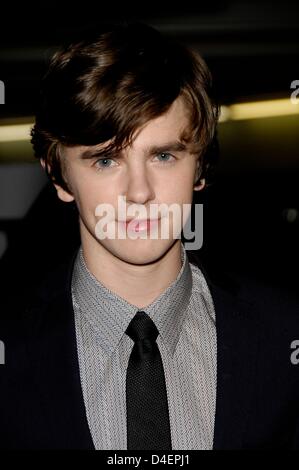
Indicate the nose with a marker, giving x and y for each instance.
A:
(139, 185)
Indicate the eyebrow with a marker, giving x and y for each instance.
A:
(173, 146)
(95, 153)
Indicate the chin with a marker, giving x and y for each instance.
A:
(140, 251)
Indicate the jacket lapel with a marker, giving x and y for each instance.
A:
(237, 328)
(237, 340)
(57, 371)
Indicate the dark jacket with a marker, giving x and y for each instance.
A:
(257, 400)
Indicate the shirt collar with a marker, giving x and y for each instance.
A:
(109, 314)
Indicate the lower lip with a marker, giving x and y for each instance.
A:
(142, 226)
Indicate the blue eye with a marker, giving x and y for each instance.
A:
(98, 163)
(164, 154)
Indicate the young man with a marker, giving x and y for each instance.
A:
(134, 345)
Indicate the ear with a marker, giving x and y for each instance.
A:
(202, 182)
(200, 186)
(62, 194)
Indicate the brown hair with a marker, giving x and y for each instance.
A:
(107, 88)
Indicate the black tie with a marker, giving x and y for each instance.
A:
(148, 426)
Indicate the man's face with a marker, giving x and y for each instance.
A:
(157, 168)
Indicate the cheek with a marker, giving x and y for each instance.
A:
(179, 189)
(88, 194)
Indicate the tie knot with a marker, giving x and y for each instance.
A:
(142, 327)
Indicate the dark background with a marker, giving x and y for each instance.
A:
(251, 212)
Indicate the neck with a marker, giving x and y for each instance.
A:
(138, 284)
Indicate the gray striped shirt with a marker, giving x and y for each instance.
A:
(184, 315)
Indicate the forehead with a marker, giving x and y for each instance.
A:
(169, 126)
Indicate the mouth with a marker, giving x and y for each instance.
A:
(139, 225)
